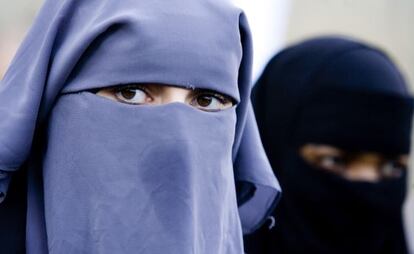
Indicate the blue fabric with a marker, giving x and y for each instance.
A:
(110, 178)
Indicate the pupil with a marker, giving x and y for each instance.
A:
(204, 101)
(128, 94)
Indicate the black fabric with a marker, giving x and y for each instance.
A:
(334, 215)
(356, 121)
(13, 216)
(340, 92)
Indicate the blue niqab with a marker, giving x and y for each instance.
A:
(106, 177)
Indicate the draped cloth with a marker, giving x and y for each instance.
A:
(342, 93)
(104, 177)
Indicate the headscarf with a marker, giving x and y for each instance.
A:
(105, 177)
(343, 93)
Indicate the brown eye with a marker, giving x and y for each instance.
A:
(128, 94)
(204, 101)
(208, 101)
(132, 95)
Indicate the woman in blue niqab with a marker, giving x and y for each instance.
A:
(105, 176)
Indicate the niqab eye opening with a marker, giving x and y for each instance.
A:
(151, 94)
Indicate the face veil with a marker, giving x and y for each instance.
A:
(104, 177)
(341, 93)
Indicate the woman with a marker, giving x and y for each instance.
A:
(335, 117)
(135, 122)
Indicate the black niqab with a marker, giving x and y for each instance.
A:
(343, 93)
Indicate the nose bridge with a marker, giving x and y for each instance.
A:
(367, 169)
(172, 94)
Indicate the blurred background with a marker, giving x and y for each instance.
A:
(277, 23)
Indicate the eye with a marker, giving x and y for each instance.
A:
(212, 102)
(325, 157)
(132, 95)
(333, 162)
(392, 169)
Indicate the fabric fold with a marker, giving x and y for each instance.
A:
(78, 46)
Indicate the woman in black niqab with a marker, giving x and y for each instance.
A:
(348, 95)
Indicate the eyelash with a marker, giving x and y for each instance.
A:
(126, 87)
(223, 99)
(131, 87)
(219, 97)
